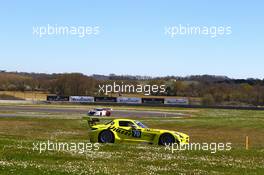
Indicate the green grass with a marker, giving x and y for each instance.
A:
(17, 135)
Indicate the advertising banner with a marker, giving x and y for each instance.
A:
(131, 100)
(176, 101)
(105, 99)
(81, 99)
(153, 100)
(57, 98)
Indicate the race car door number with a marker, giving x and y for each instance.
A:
(136, 133)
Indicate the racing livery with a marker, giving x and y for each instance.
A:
(100, 112)
(127, 130)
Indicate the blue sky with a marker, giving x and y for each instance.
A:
(132, 39)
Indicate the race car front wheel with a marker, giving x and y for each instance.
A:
(106, 136)
(166, 139)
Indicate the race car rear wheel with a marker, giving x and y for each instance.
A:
(166, 139)
(106, 136)
(108, 113)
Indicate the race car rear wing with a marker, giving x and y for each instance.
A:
(91, 121)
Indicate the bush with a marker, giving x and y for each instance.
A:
(208, 99)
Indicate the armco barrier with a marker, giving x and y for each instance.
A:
(176, 101)
(57, 98)
(152, 100)
(130, 100)
(81, 99)
(105, 99)
(180, 106)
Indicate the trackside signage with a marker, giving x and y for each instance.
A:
(57, 98)
(105, 99)
(81, 99)
(131, 100)
(176, 101)
(153, 100)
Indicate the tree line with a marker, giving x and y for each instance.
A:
(210, 89)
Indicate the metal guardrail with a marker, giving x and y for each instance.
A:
(166, 105)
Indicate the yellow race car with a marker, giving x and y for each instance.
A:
(127, 130)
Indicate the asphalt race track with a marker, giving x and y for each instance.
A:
(8, 111)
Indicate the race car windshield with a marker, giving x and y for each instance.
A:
(140, 124)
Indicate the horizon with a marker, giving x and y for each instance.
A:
(149, 38)
(133, 75)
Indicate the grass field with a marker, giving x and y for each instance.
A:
(17, 135)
